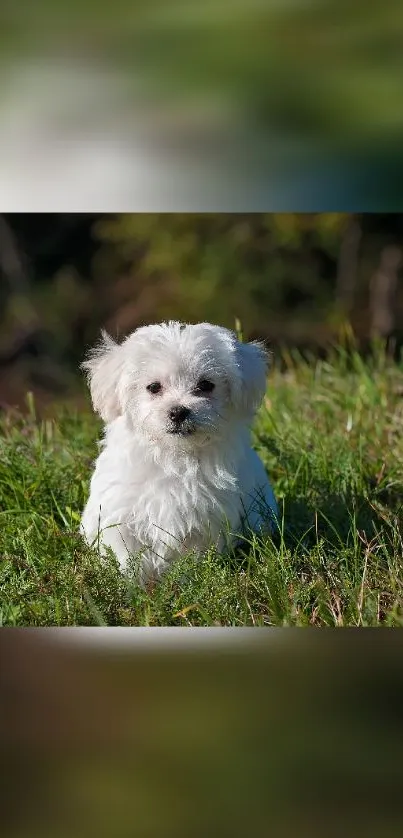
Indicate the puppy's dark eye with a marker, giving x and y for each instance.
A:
(204, 386)
(155, 387)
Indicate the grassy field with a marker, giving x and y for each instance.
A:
(331, 436)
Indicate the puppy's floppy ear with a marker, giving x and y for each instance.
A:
(253, 364)
(103, 367)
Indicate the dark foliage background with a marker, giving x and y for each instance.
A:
(293, 279)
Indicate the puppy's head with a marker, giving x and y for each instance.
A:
(179, 385)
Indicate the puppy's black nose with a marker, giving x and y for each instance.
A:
(178, 414)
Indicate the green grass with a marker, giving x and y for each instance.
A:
(331, 436)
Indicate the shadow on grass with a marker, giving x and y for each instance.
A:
(338, 522)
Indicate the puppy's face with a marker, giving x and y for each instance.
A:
(178, 385)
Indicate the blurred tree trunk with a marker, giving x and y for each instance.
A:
(347, 268)
(19, 301)
(383, 288)
(11, 262)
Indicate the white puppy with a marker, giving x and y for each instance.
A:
(176, 472)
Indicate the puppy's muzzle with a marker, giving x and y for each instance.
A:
(178, 420)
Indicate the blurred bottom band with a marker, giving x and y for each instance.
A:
(197, 732)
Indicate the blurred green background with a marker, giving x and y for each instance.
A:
(295, 280)
(231, 104)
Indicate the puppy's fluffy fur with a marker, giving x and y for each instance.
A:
(176, 472)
